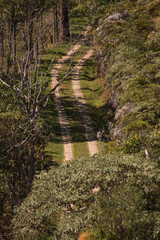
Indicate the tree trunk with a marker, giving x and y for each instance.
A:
(11, 194)
(55, 25)
(31, 152)
(31, 164)
(9, 48)
(14, 46)
(30, 39)
(64, 22)
(1, 39)
(10, 32)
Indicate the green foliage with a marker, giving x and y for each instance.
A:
(111, 198)
(137, 125)
(121, 215)
(127, 57)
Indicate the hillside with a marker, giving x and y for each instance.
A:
(127, 52)
(79, 81)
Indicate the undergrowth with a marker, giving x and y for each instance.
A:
(95, 97)
(127, 57)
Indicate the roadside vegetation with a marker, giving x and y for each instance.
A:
(127, 53)
(113, 197)
(94, 93)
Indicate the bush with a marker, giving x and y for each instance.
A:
(110, 197)
(127, 57)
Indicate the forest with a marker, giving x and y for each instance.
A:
(80, 119)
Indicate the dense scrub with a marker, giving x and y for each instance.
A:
(115, 197)
(127, 53)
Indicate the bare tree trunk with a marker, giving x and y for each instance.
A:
(42, 38)
(1, 206)
(10, 32)
(23, 29)
(11, 196)
(1, 38)
(31, 163)
(60, 26)
(39, 41)
(9, 47)
(31, 150)
(65, 21)
(55, 24)
(30, 39)
(36, 47)
(14, 46)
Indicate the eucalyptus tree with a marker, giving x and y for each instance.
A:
(22, 81)
(20, 87)
(1, 38)
(113, 197)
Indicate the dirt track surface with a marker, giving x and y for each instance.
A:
(65, 128)
(90, 134)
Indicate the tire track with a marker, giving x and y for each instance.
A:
(90, 134)
(64, 124)
(65, 128)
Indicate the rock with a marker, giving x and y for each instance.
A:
(118, 130)
(127, 108)
(118, 16)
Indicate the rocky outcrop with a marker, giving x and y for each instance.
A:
(118, 16)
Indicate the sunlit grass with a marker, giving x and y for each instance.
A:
(54, 153)
(80, 147)
(78, 25)
(93, 94)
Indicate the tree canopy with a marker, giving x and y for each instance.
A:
(109, 196)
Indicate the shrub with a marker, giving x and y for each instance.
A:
(110, 197)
